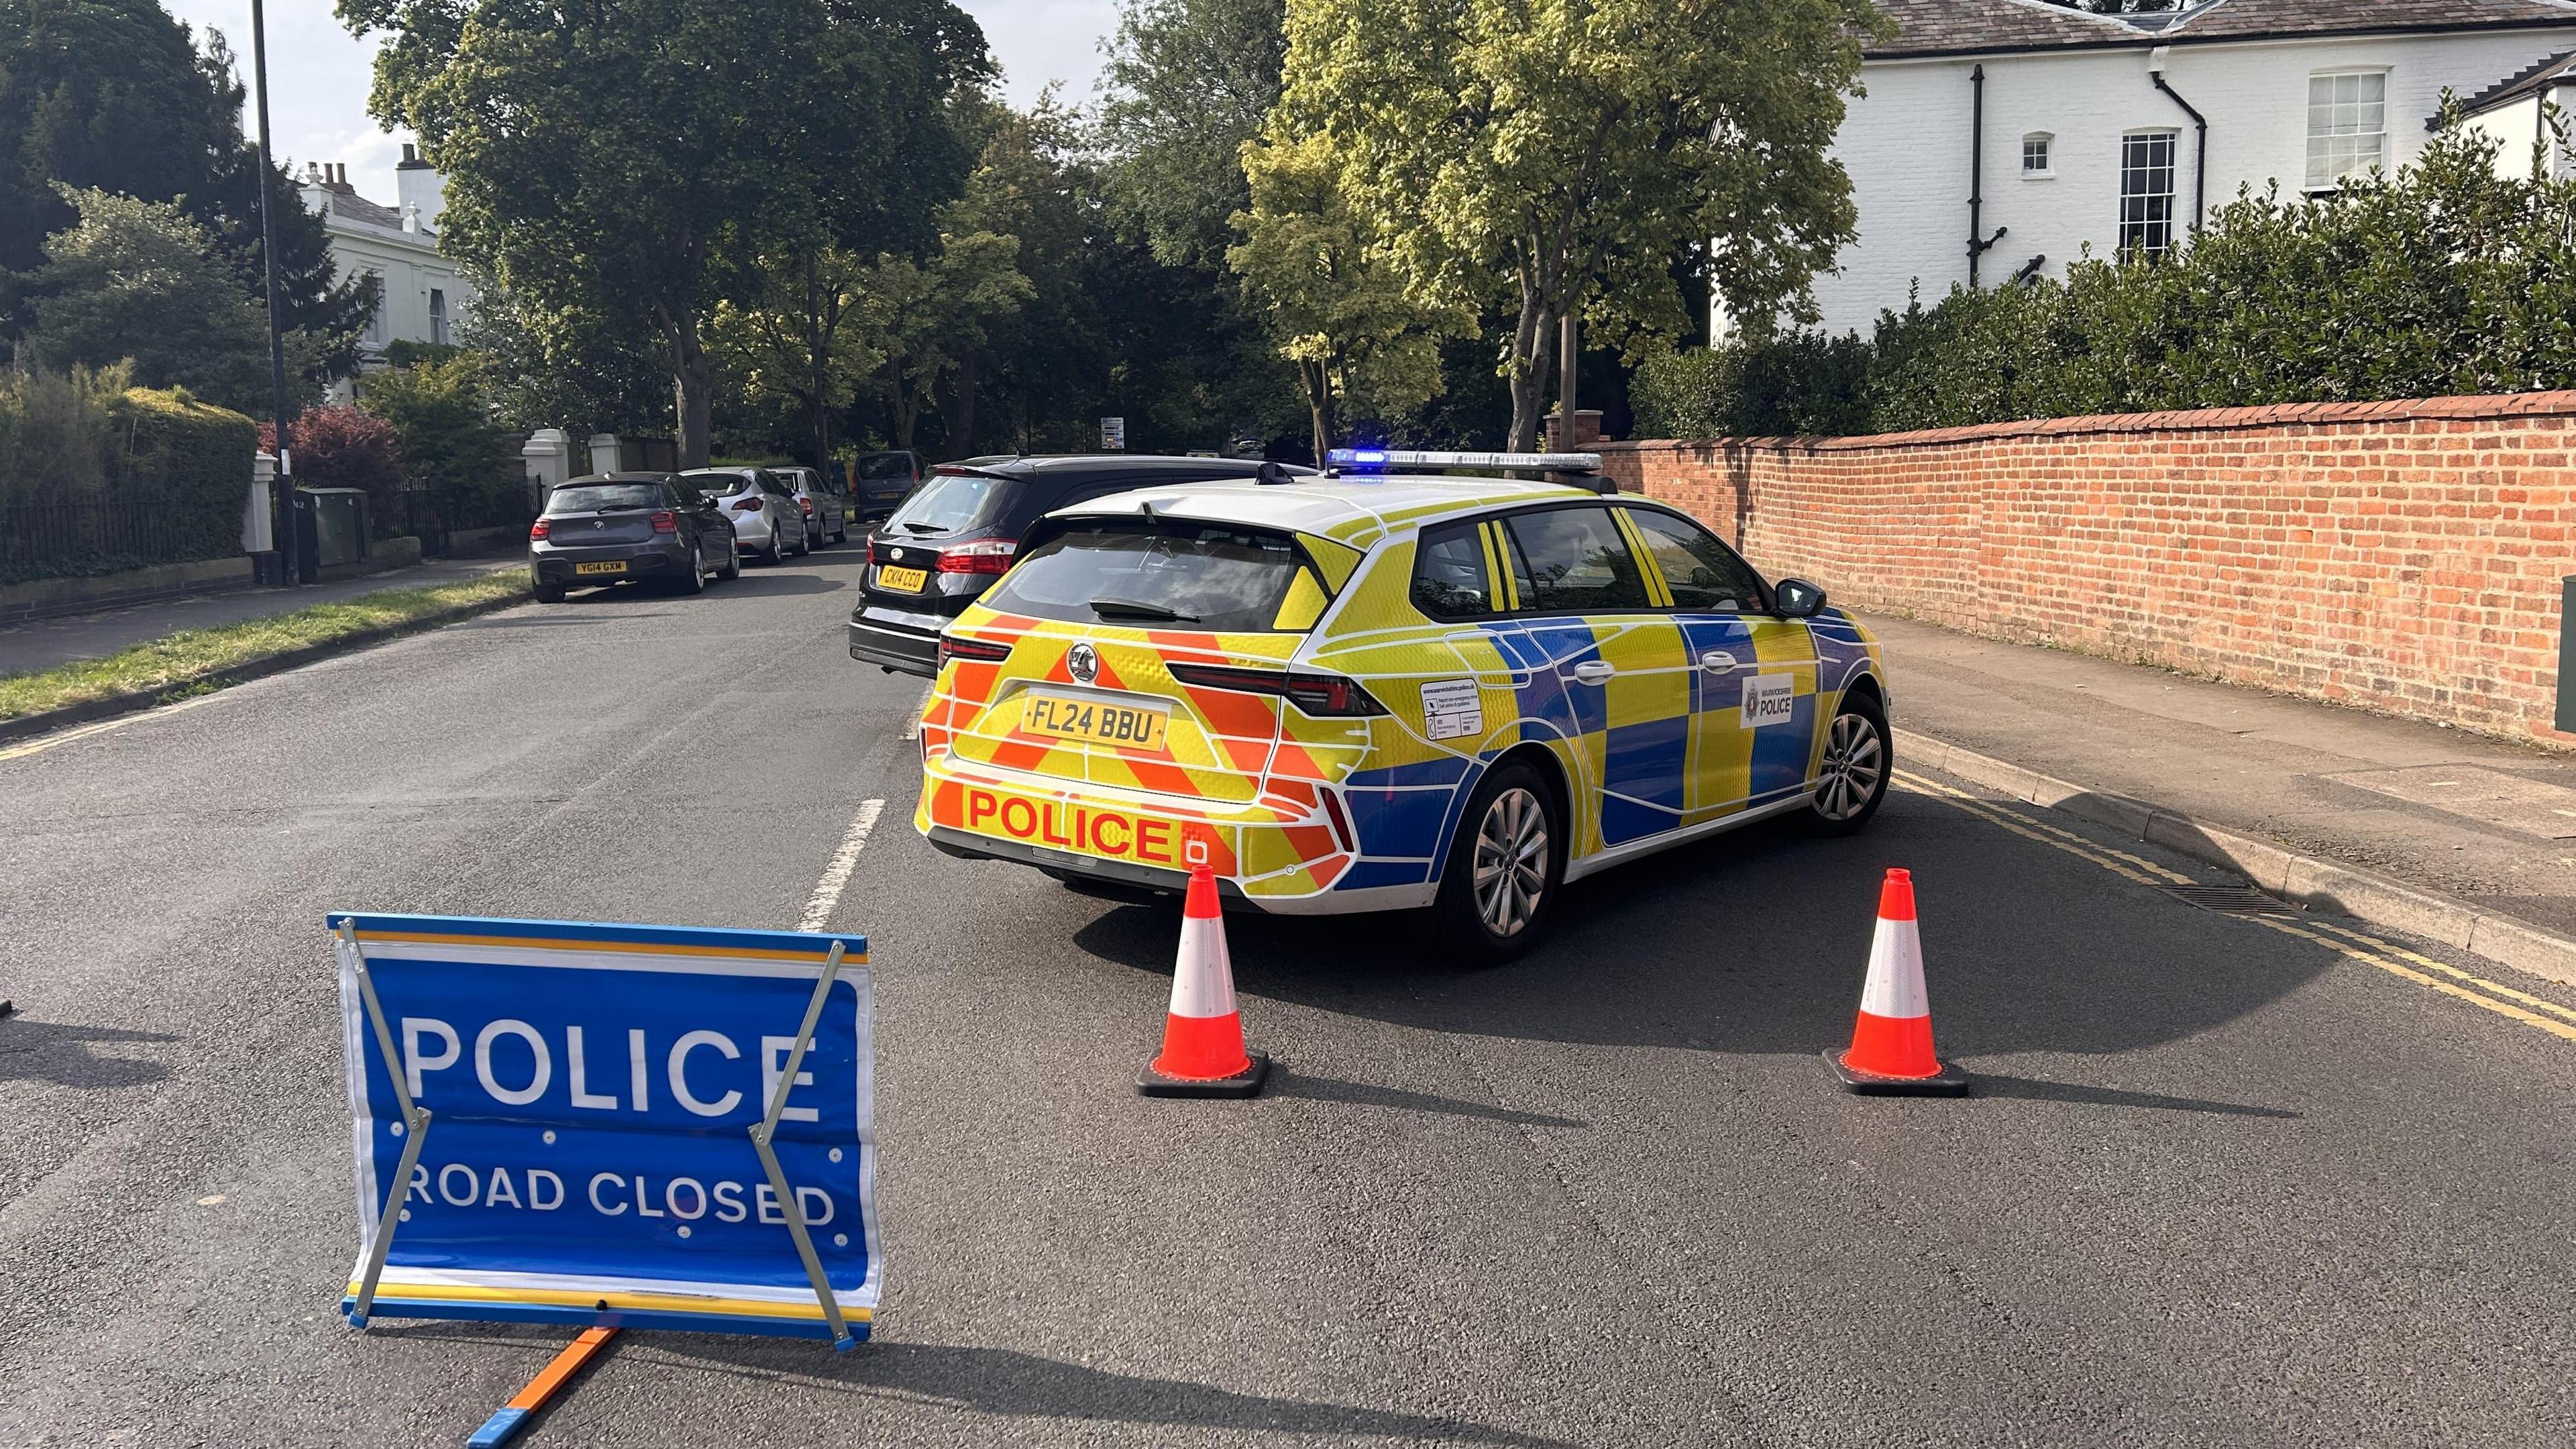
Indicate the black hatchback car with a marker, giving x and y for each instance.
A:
(958, 532)
(609, 528)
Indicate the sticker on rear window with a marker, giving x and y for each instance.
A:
(1769, 699)
(1451, 708)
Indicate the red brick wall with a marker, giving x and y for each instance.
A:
(2404, 556)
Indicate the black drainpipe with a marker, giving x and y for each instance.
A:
(1978, 243)
(2199, 147)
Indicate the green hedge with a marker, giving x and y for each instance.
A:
(98, 478)
(2446, 278)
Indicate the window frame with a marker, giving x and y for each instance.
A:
(2047, 169)
(2146, 223)
(1769, 605)
(2309, 186)
(1515, 558)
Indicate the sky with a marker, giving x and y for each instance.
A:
(318, 72)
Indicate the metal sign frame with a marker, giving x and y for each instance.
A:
(416, 1122)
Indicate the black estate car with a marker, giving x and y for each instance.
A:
(609, 528)
(958, 532)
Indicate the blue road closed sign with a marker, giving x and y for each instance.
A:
(640, 1126)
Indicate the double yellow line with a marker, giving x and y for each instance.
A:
(2396, 960)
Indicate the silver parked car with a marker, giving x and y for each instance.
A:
(767, 521)
(827, 513)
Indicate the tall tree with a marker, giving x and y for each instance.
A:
(141, 280)
(1188, 82)
(116, 94)
(631, 157)
(1560, 154)
(1338, 311)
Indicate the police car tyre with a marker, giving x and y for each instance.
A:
(1853, 777)
(1505, 866)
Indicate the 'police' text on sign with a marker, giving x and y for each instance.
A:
(592, 1089)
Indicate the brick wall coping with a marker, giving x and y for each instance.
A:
(2197, 420)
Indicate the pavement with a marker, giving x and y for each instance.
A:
(2226, 1180)
(45, 643)
(2490, 821)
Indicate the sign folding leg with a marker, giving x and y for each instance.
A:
(842, 1339)
(415, 1126)
(514, 1415)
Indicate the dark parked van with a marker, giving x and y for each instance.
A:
(958, 532)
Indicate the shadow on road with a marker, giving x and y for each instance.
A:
(763, 583)
(1757, 943)
(43, 1051)
(1023, 1385)
(2033, 1089)
(1285, 1083)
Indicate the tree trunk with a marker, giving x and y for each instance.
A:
(1319, 405)
(1527, 369)
(693, 389)
(961, 436)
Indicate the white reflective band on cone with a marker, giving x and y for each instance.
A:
(1204, 984)
(1895, 986)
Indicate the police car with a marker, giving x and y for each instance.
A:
(1378, 691)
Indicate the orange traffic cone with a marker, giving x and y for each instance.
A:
(1203, 1052)
(1891, 1050)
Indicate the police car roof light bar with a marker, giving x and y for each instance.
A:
(760, 1135)
(415, 1125)
(1372, 459)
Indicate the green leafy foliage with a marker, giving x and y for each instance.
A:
(95, 453)
(610, 167)
(140, 279)
(455, 456)
(117, 95)
(1559, 157)
(2449, 277)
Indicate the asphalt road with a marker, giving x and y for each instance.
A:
(2223, 1183)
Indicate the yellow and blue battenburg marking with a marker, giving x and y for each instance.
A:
(1661, 719)
(592, 1089)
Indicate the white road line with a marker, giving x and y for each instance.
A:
(836, 876)
(81, 732)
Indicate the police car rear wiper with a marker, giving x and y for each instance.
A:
(1138, 609)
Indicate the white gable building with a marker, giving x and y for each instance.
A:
(423, 296)
(2001, 138)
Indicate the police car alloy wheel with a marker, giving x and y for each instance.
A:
(1853, 778)
(1511, 862)
(1504, 866)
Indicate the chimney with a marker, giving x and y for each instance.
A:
(419, 190)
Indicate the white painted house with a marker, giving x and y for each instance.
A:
(2000, 138)
(423, 297)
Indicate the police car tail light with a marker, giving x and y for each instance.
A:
(1320, 695)
(539, 529)
(992, 556)
(1331, 696)
(971, 649)
(665, 521)
(1341, 822)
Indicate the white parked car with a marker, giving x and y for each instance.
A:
(768, 522)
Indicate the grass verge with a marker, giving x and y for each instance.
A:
(185, 663)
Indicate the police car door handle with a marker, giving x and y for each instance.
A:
(1594, 671)
(1717, 661)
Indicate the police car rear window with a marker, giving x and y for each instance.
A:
(1190, 576)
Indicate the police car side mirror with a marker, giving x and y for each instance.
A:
(1797, 599)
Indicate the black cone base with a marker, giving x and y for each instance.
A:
(1244, 1083)
(1948, 1082)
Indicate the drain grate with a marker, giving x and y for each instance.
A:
(2230, 900)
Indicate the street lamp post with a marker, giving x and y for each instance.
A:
(284, 496)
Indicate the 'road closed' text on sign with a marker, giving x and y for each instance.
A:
(592, 1092)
